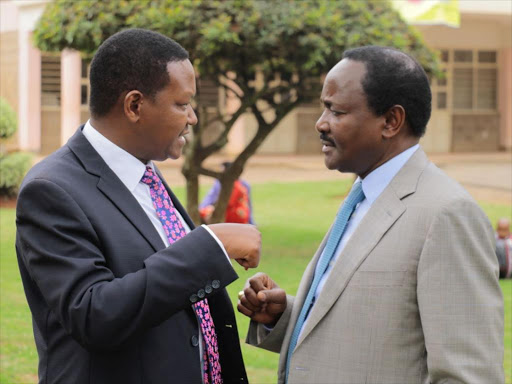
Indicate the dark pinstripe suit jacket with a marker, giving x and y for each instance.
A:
(110, 303)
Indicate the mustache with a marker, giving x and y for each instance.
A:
(324, 137)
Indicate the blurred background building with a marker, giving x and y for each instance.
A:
(472, 105)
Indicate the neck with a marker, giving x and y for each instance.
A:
(392, 151)
(403, 145)
(116, 131)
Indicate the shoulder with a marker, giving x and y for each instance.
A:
(440, 191)
(59, 171)
(52, 167)
(439, 198)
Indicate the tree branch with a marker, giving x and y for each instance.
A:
(209, 172)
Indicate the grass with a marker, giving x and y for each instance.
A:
(292, 217)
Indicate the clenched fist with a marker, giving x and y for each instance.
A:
(262, 300)
(241, 241)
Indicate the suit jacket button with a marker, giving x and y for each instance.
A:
(194, 341)
(215, 284)
(208, 288)
(201, 294)
(194, 298)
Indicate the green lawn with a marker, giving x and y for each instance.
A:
(292, 218)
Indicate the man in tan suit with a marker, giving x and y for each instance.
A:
(404, 287)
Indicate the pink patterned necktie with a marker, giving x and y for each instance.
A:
(175, 231)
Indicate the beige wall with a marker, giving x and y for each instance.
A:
(9, 68)
(485, 32)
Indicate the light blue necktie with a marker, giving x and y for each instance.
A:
(355, 196)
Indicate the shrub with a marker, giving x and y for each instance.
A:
(8, 120)
(12, 170)
(13, 166)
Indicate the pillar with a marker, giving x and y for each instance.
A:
(29, 93)
(70, 82)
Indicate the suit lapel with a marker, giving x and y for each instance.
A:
(382, 215)
(110, 185)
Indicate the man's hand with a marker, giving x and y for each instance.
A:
(241, 241)
(262, 300)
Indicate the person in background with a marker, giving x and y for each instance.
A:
(239, 209)
(504, 247)
(123, 288)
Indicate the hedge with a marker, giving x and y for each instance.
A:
(12, 170)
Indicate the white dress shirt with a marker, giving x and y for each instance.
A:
(130, 170)
(373, 185)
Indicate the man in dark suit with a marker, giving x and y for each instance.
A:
(121, 285)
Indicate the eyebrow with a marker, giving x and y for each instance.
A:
(327, 103)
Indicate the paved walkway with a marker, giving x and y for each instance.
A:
(487, 176)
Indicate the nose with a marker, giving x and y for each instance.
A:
(322, 125)
(191, 118)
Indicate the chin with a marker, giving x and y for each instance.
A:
(331, 164)
(174, 155)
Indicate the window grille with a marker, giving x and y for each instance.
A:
(50, 80)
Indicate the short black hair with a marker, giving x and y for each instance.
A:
(395, 78)
(133, 59)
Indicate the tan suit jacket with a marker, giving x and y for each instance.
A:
(413, 298)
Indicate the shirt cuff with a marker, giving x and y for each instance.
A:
(217, 240)
(268, 327)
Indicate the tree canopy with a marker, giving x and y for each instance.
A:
(286, 44)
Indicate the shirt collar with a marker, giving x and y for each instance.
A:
(376, 181)
(127, 167)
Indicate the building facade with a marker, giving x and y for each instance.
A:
(472, 104)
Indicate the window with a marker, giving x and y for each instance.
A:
(463, 56)
(486, 95)
(487, 57)
(50, 80)
(440, 89)
(207, 93)
(463, 88)
(475, 77)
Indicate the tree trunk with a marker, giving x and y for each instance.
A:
(191, 174)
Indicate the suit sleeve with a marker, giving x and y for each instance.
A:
(62, 254)
(459, 298)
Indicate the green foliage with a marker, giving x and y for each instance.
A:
(292, 38)
(8, 120)
(13, 166)
(12, 170)
(269, 54)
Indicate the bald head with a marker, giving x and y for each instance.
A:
(503, 228)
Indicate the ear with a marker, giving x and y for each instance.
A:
(395, 121)
(132, 104)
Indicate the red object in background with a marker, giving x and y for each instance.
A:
(238, 205)
(238, 209)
